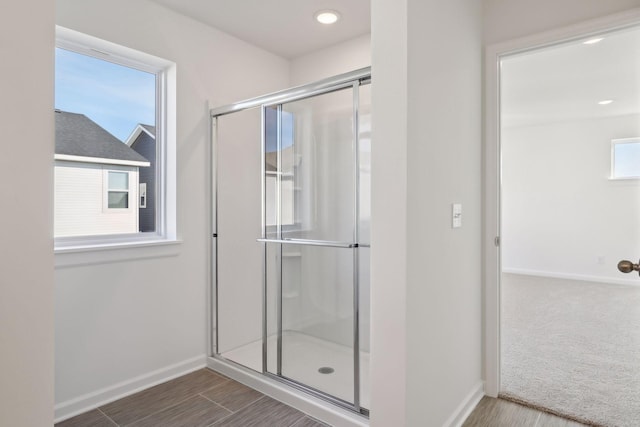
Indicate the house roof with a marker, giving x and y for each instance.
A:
(150, 129)
(133, 138)
(79, 136)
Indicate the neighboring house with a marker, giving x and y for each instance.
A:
(143, 141)
(96, 179)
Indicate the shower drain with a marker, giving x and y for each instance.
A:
(326, 370)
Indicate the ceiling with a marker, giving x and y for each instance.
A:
(284, 27)
(566, 82)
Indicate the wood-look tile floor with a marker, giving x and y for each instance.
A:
(492, 412)
(199, 399)
(207, 399)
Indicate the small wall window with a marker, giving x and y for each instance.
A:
(143, 195)
(118, 190)
(625, 158)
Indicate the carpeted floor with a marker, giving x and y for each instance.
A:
(572, 348)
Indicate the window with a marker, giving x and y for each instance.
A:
(117, 190)
(625, 158)
(280, 164)
(115, 144)
(143, 195)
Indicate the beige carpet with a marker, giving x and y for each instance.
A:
(572, 347)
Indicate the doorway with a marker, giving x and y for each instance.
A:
(569, 210)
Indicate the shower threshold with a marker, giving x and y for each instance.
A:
(317, 363)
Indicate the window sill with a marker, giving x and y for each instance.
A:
(103, 253)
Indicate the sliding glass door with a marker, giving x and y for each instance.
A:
(292, 246)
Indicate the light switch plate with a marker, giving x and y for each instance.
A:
(456, 215)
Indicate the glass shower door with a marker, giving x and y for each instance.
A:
(312, 254)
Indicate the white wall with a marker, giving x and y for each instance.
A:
(427, 84)
(125, 323)
(26, 200)
(80, 200)
(389, 369)
(510, 19)
(561, 214)
(239, 225)
(443, 167)
(328, 62)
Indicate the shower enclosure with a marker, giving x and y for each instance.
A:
(291, 215)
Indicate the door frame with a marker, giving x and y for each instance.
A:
(492, 168)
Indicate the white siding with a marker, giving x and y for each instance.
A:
(80, 203)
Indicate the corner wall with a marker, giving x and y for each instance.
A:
(340, 58)
(426, 288)
(444, 286)
(26, 198)
(128, 323)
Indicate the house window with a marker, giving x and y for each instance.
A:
(625, 158)
(282, 177)
(117, 190)
(143, 195)
(115, 144)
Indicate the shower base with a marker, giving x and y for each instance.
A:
(304, 360)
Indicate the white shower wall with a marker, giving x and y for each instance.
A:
(304, 309)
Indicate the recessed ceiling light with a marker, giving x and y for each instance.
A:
(327, 17)
(606, 102)
(593, 41)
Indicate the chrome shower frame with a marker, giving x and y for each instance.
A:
(353, 79)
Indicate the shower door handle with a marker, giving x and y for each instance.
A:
(627, 266)
(327, 243)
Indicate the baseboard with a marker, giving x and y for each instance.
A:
(89, 401)
(568, 276)
(467, 406)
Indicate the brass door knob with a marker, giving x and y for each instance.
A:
(627, 266)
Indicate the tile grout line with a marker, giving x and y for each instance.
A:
(232, 412)
(107, 417)
(215, 403)
(239, 409)
(166, 407)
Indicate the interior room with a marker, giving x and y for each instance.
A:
(569, 189)
(83, 324)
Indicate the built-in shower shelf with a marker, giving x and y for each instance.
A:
(291, 255)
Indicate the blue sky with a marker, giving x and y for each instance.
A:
(115, 97)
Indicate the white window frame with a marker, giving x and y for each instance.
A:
(107, 189)
(165, 71)
(614, 143)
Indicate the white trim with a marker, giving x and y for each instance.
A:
(166, 116)
(98, 48)
(136, 133)
(308, 404)
(491, 255)
(467, 406)
(100, 160)
(89, 401)
(148, 247)
(571, 276)
(131, 184)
